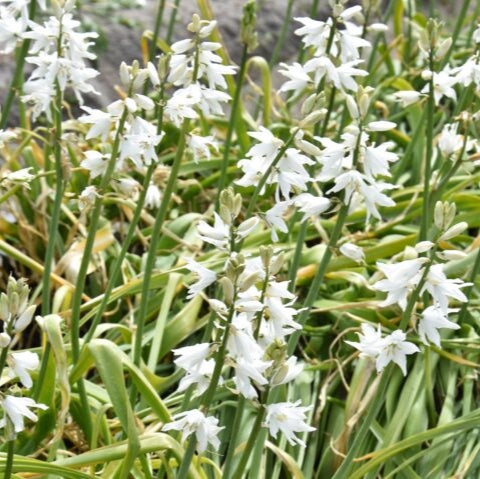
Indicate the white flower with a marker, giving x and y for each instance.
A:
(189, 357)
(6, 136)
(443, 84)
(281, 320)
(195, 422)
(200, 146)
(289, 371)
(441, 288)
(22, 362)
(353, 252)
(218, 234)
(11, 30)
(180, 105)
(407, 97)
(370, 191)
(199, 377)
(205, 277)
(87, 197)
(24, 319)
(20, 177)
(101, 123)
(298, 78)
(311, 205)
(341, 77)
(288, 418)
(241, 343)
(395, 349)
(433, 319)
(140, 142)
(153, 198)
(16, 408)
(95, 162)
(249, 369)
(400, 279)
(274, 218)
(371, 341)
(449, 141)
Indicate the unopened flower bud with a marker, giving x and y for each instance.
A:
(424, 246)
(312, 118)
(443, 48)
(248, 36)
(452, 255)
(427, 75)
(24, 319)
(352, 107)
(228, 290)
(124, 75)
(455, 230)
(4, 340)
(410, 253)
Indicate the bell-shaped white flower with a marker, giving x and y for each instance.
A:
(288, 418)
(18, 408)
(195, 422)
(205, 277)
(395, 348)
(433, 319)
(20, 364)
(442, 289)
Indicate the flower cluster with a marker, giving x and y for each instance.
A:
(253, 321)
(410, 278)
(16, 314)
(59, 53)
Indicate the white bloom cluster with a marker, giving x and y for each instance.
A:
(355, 164)
(426, 277)
(255, 317)
(197, 68)
(17, 314)
(14, 22)
(59, 53)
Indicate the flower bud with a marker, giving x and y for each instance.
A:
(452, 255)
(24, 319)
(228, 290)
(4, 340)
(352, 107)
(424, 246)
(312, 118)
(455, 230)
(427, 75)
(248, 36)
(124, 75)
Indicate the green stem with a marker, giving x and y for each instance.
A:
(462, 316)
(252, 439)
(231, 124)
(128, 238)
(171, 24)
(9, 463)
(187, 458)
(82, 273)
(17, 80)
(318, 278)
(283, 34)
(87, 252)
(155, 236)
(236, 427)
(53, 230)
(116, 267)
(428, 157)
(343, 472)
(156, 29)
